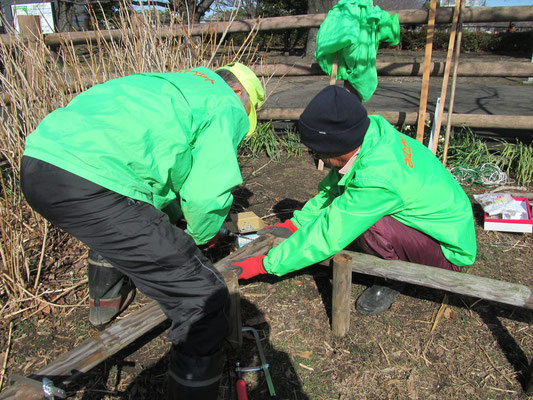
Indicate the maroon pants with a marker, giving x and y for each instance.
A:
(392, 240)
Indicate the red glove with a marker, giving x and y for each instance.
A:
(250, 267)
(214, 240)
(283, 229)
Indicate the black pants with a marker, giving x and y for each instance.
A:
(139, 240)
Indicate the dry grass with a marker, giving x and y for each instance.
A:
(35, 81)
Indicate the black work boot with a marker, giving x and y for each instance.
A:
(194, 377)
(110, 291)
(377, 298)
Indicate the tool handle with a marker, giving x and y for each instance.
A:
(241, 389)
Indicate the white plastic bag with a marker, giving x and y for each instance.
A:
(502, 205)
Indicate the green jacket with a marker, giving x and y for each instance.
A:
(392, 175)
(154, 137)
(353, 29)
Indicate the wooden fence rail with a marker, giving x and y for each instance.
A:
(399, 118)
(504, 69)
(347, 262)
(464, 284)
(406, 17)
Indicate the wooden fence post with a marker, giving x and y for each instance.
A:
(342, 286)
(30, 29)
(332, 81)
(425, 78)
(454, 83)
(444, 89)
(529, 379)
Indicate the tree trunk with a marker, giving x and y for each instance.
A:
(191, 11)
(316, 7)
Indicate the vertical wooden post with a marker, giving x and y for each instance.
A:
(30, 29)
(334, 68)
(454, 84)
(332, 81)
(235, 337)
(529, 379)
(444, 89)
(342, 286)
(425, 75)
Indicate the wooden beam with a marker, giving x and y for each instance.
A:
(126, 330)
(386, 68)
(399, 118)
(465, 284)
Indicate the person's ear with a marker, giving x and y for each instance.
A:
(238, 92)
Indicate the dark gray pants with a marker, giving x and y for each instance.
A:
(139, 240)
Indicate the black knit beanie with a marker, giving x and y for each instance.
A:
(334, 122)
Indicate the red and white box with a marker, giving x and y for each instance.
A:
(511, 225)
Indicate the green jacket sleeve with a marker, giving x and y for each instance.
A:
(206, 193)
(339, 224)
(327, 191)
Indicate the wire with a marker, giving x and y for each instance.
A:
(487, 174)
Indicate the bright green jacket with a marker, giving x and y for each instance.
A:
(353, 29)
(154, 137)
(392, 175)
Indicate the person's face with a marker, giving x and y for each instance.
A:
(332, 160)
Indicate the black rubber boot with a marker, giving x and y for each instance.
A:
(110, 291)
(377, 298)
(194, 377)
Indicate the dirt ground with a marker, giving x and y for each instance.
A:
(478, 349)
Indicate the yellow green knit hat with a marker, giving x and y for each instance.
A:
(253, 86)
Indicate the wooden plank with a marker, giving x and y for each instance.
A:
(126, 330)
(425, 76)
(444, 89)
(91, 352)
(342, 287)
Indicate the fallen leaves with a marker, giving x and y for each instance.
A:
(305, 354)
